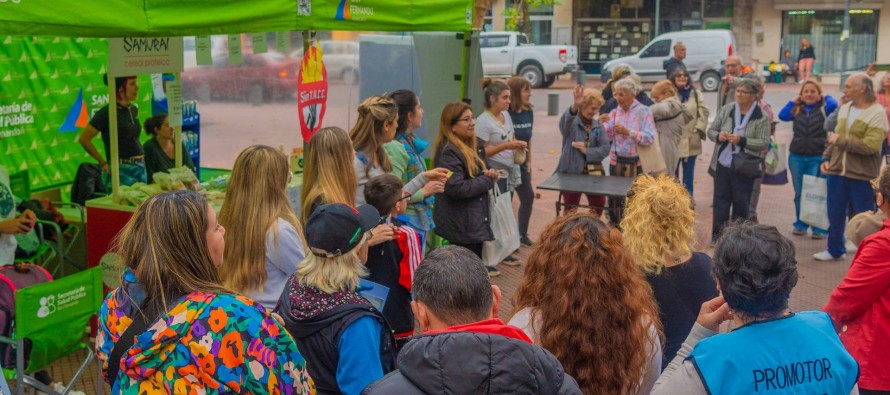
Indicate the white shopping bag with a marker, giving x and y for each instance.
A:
(504, 228)
(814, 201)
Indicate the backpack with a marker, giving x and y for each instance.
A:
(12, 278)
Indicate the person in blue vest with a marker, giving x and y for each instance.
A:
(770, 350)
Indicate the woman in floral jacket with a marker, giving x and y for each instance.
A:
(199, 337)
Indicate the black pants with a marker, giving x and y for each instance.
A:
(872, 392)
(526, 200)
(475, 248)
(731, 192)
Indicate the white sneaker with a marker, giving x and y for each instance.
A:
(826, 256)
(851, 248)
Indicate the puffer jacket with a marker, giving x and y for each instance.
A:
(695, 130)
(487, 357)
(860, 308)
(462, 213)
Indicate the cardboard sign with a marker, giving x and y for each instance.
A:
(312, 92)
(144, 55)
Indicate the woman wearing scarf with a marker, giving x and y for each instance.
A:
(407, 162)
(694, 132)
(739, 127)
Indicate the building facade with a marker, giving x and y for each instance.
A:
(763, 28)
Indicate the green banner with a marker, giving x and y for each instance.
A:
(49, 89)
(53, 315)
(120, 18)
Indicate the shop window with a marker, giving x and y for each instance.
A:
(660, 48)
(823, 28)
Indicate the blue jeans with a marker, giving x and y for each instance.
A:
(688, 165)
(845, 192)
(801, 165)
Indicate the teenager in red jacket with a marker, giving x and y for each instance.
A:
(860, 305)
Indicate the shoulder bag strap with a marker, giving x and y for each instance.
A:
(138, 326)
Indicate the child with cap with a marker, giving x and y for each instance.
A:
(345, 340)
(393, 262)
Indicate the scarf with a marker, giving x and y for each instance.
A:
(414, 146)
(739, 123)
(684, 93)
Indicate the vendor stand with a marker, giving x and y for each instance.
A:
(166, 18)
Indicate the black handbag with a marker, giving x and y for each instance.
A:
(747, 165)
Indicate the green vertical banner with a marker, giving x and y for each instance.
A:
(49, 89)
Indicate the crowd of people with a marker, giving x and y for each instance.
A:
(349, 294)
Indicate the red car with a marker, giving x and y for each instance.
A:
(259, 78)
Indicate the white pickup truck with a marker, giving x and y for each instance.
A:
(506, 54)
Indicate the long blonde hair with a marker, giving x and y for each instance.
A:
(255, 200)
(327, 170)
(367, 133)
(659, 220)
(467, 146)
(335, 274)
(165, 245)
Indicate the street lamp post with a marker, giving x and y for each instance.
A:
(845, 38)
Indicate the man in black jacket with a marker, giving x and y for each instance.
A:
(464, 349)
(677, 61)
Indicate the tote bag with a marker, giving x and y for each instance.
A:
(814, 201)
(504, 228)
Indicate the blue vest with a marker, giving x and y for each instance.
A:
(797, 354)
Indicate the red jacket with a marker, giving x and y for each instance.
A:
(860, 307)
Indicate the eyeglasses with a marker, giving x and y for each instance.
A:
(467, 120)
(406, 197)
(741, 92)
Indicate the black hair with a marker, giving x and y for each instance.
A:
(153, 122)
(756, 268)
(453, 283)
(383, 192)
(406, 101)
(119, 82)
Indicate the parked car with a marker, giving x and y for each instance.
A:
(341, 59)
(705, 52)
(259, 78)
(505, 54)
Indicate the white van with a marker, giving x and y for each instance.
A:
(705, 52)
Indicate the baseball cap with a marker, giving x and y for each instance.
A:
(335, 229)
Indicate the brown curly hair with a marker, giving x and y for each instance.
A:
(591, 305)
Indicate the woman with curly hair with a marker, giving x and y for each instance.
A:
(606, 337)
(659, 233)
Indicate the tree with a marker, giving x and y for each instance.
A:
(517, 15)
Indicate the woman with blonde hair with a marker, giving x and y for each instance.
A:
(659, 233)
(670, 117)
(606, 337)
(585, 145)
(176, 326)
(808, 112)
(805, 59)
(378, 121)
(462, 211)
(346, 341)
(265, 242)
(328, 174)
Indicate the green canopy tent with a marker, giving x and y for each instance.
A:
(54, 77)
(159, 18)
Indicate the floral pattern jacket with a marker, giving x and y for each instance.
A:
(206, 344)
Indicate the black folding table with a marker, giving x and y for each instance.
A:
(609, 186)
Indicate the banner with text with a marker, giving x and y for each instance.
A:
(50, 87)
